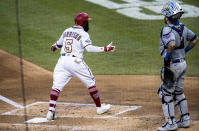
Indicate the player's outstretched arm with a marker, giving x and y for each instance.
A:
(54, 47)
(59, 43)
(91, 48)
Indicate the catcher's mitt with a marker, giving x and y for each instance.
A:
(167, 76)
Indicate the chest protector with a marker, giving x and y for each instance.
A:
(180, 32)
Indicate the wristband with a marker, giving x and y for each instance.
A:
(105, 49)
(167, 56)
(187, 49)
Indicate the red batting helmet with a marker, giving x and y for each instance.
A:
(81, 17)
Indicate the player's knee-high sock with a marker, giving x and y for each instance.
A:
(54, 94)
(94, 94)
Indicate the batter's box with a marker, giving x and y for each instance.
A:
(73, 110)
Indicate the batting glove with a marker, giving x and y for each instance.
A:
(110, 47)
(53, 47)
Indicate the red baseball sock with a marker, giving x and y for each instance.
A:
(94, 94)
(54, 94)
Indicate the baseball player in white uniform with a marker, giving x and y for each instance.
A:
(173, 38)
(73, 42)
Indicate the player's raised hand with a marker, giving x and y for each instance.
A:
(109, 47)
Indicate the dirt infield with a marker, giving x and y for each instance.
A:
(135, 103)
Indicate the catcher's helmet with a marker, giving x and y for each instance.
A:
(80, 18)
(172, 8)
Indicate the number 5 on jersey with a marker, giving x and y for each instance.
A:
(68, 45)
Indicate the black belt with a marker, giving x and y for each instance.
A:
(178, 60)
(64, 54)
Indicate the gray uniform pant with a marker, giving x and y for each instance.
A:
(175, 93)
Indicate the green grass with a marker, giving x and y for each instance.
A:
(147, 11)
(119, 1)
(43, 21)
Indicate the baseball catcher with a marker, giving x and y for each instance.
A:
(173, 38)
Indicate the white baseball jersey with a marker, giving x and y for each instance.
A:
(70, 64)
(74, 40)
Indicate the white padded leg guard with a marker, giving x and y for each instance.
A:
(181, 103)
(167, 105)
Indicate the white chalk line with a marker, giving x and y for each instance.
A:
(127, 110)
(15, 110)
(102, 117)
(61, 127)
(72, 128)
(130, 108)
(19, 107)
(11, 102)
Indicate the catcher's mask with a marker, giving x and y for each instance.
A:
(173, 11)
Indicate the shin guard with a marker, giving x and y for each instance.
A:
(181, 103)
(167, 105)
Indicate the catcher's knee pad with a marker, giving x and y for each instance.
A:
(181, 103)
(165, 95)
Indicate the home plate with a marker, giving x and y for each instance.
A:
(38, 120)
